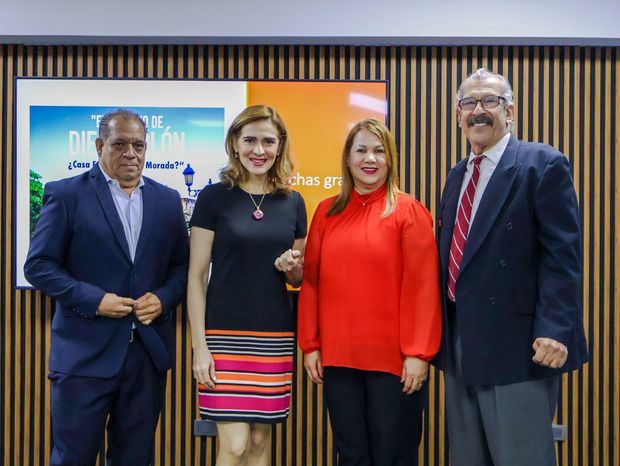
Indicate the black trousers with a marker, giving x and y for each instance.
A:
(129, 402)
(374, 422)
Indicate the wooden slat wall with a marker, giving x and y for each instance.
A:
(565, 96)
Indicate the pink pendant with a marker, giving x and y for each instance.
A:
(258, 214)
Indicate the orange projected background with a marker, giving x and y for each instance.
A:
(318, 116)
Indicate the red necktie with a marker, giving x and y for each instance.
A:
(461, 228)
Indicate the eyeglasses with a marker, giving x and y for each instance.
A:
(488, 101)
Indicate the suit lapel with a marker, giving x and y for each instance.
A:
(148, 217)
(99, 184)
(492, 201)
(450, 199)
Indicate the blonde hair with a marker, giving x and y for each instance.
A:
(234, 173)
(391, 158)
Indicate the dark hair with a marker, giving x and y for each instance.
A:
(104, 124)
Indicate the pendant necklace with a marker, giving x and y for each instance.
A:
(257, 214)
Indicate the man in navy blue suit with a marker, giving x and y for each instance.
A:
(509, 244)
(111, 248)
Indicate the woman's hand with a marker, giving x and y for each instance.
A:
(314, 368)
(288, 260)
(415, 372)
(291, 262)
(204, 366)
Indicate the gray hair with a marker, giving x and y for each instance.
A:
(104, 124)
(482, 74)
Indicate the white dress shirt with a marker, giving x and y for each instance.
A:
(129, 208)
(487, 167)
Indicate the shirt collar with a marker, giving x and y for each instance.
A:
(371, 197)
(494, 153)
(110, 180)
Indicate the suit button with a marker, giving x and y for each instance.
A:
(502, 263)
(509, 226)
(492, 300)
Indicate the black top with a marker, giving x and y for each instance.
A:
(245, 290)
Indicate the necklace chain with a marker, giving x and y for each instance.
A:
(257, 214)
(260, 202)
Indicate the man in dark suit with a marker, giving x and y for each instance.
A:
(509, 245)
(111, 248)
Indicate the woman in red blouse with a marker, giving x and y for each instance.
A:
(369, 308)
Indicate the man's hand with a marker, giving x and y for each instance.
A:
(415, 372)
(147, 308)
(289, 259)
(314, 368)
(549, 353)
(114, 306)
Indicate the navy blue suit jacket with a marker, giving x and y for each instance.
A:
(520, 276)
(79, 252)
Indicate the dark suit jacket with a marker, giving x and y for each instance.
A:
(79, 252)
(520, 276)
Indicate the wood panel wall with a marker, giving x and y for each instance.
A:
(565, 96)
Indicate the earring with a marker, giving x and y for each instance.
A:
(236, 155)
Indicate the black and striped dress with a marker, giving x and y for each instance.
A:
(249, 320)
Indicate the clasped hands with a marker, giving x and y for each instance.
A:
(288, 260)
(146, 308)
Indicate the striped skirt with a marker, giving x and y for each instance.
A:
(254, 372)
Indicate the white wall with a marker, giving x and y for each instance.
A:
(571, 22)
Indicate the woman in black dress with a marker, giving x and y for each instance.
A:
(251, 229)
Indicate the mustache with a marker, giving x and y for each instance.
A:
(482, 118)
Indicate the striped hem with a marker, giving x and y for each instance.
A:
(254, 376)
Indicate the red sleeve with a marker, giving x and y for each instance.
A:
(308, 305)
(420, 303)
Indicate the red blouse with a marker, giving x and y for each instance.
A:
(370, 294)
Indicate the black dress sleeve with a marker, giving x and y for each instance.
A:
(302, 221)
(204, 215)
